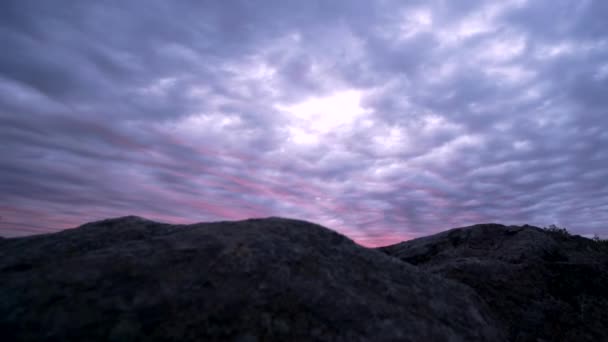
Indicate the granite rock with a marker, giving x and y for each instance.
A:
(131, 279)
(541, 285)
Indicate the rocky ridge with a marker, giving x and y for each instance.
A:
(130, 279)
(542, 285)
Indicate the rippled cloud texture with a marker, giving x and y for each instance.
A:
(384, 120)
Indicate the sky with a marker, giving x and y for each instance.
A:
(384, 120)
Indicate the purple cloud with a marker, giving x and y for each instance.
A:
(383, 120)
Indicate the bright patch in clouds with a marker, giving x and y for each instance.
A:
(414, 22)
(502, 50)
(315, 117)
(159, 87)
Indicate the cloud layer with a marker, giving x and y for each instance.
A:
(380, 119)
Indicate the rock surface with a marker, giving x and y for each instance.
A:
(541, 285)
(130, 279)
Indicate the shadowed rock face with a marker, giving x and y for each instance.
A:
(541, 285)
(130, 279)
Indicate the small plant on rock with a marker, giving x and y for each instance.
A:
(601, 243)
(557, 230)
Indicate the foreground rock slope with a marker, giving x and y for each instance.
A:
(542, 285)
(130, 279)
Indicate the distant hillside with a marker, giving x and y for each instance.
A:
(130, 279)
(544, 285)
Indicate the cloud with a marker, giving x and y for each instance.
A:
(383, 120)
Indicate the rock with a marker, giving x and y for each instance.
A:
(540, 285)
(255, 280)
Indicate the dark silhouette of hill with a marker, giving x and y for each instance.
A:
(543, 285)
(130, 279)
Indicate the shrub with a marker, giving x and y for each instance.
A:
(601, 243)
(557, 230)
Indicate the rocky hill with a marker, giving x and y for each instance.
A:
(130, 279)
(542, 285)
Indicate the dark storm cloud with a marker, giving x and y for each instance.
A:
(381, 119)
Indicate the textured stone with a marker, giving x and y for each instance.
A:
(131, 279)
(541, 285)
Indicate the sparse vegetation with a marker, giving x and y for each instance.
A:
(557, 230)
(601, 243)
